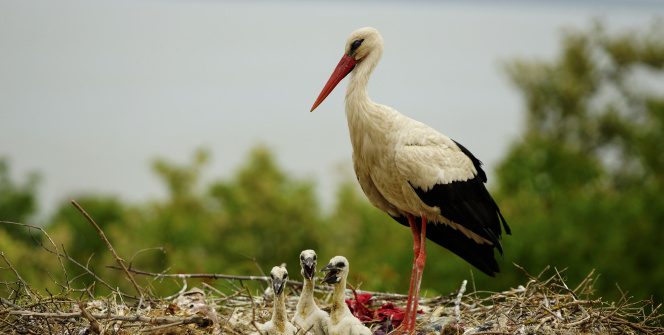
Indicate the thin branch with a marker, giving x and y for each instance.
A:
(30, 227)
(457, 302)
(90, 272)
(293, 283)
(253, 311)
(141, 251)
(110, 247)
(198, 319)
(94, 324)
(26, 287)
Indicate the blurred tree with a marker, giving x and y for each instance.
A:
(266, 215)
(181, 219)
(584, 187)
(17, 201)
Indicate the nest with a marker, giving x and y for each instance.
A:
(538, 307)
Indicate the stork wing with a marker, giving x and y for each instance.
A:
(425, 165)
(446, 175)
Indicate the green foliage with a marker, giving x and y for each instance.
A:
(583, 188)
(17, 201)
(265, 215)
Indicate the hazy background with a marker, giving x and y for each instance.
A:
(91, 91)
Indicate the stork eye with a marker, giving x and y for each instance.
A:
(285, 275)
(301, 257)
(356, 45)
(314, 257)
(341, 264)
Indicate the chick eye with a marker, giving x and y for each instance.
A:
(314, 257)
(356, 45)
(341, 264)
(302, 257)
(285, 275)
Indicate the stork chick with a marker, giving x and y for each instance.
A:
(342, 321)
(279, 324)
(308, 315)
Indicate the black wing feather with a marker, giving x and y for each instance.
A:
(467, 203)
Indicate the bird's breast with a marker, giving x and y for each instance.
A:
(375, 167)
(375, 136)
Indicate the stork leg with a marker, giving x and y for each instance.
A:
(419, 249)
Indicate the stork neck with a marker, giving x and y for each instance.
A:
(356, 92)
(279, 316)
(307, 297)
(339, 300)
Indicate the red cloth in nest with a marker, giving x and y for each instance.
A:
(359, 308)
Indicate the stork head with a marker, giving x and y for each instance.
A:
(360, 45)
(279, 277)
(338, 269)
(308, 263)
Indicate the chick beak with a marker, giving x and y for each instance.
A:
(278, 286)
(309, 268)
(331, 277)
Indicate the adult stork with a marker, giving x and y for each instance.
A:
(420, 177)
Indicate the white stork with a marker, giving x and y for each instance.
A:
(420, 177)
(342, 321)
(279, 324)
(307, 315)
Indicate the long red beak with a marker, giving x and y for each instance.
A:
(346, 65)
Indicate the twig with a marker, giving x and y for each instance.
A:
(203, 275)
(141, 251)
(94, 324)
(586, 280)
(215, 290)
(88, 271)
(294, 283)
(198, 319)
(168, 325)
(30, 227)
(457, 302)
(253, 311)
(184, 288)
(110, 247)
(26, 287)
(9, 303)
(631, 325)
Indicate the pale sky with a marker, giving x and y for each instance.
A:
(92, 91)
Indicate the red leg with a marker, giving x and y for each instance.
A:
(420, 260)
(408, 324)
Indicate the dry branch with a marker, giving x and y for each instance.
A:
(110, 247)
(198, 319)
(291, 283)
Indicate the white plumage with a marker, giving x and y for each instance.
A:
(342, 321)
(420, 177)
(279, 324)
(308, 316)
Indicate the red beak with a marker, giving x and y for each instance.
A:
(346, 65)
